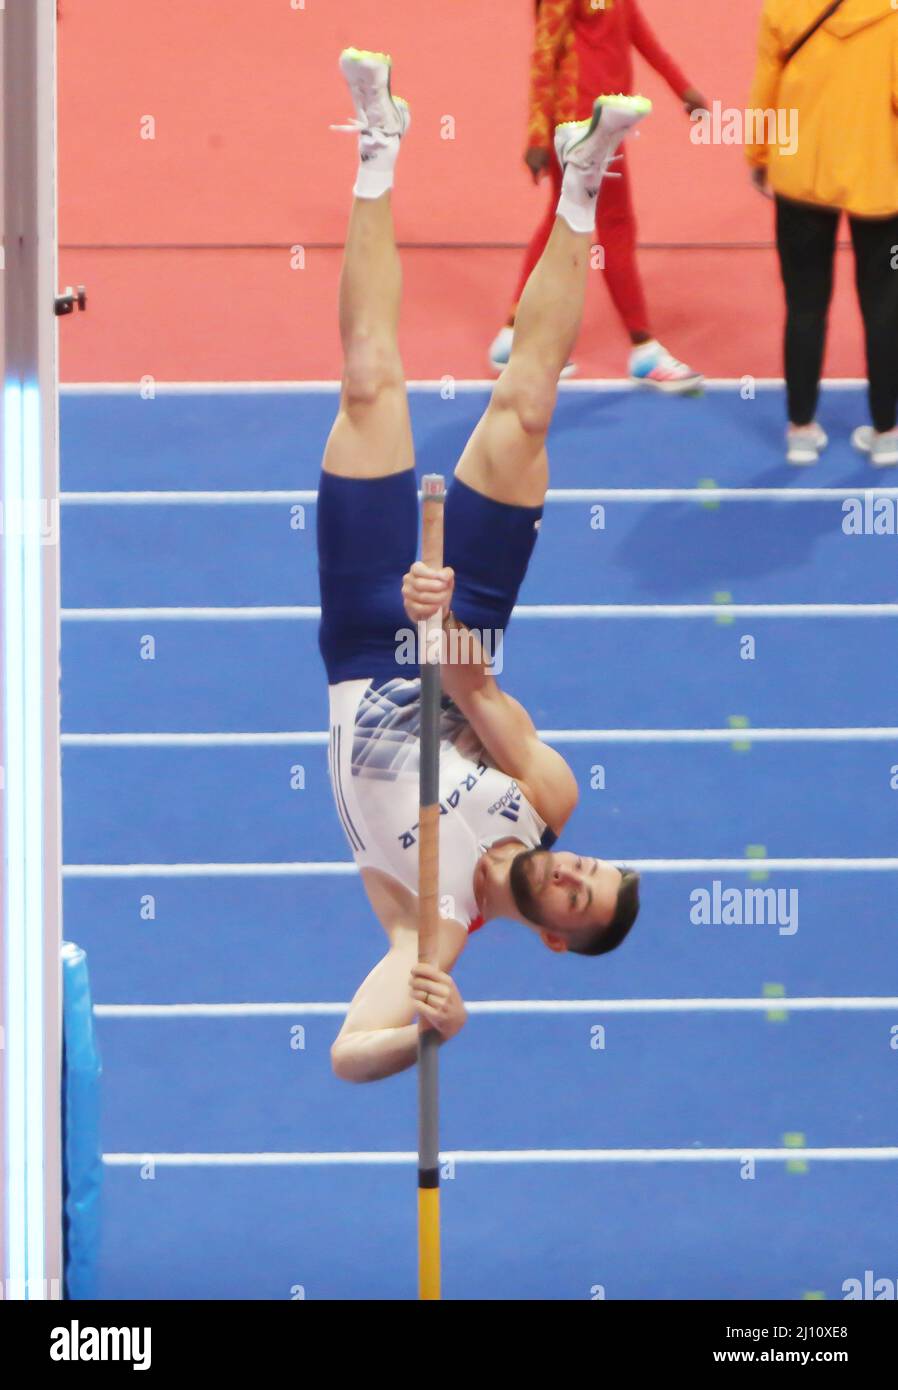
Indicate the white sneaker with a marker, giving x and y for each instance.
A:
(804, 443)
(590, 145)
(652, 365)
(379, 116)
(882, 448)
(500, 352)
(500, 348)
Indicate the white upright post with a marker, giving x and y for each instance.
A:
(30, 895)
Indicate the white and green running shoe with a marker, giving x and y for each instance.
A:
(590, 145)
(379, 116)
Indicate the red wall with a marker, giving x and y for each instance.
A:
(242, 93)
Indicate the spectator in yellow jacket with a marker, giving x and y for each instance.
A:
(835, 66)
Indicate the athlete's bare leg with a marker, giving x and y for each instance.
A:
(506, 455)
(372, 433)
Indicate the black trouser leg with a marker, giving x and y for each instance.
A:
(876, 276)
(806, 241)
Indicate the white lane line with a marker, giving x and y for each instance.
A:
(717, 494)
(806, 1004)
(872, 734)
(242, 388)
(312, 869)
(271, 496)
(706, 610)
(218, 870)
(308, 497)
(501, 1156)
(118, 615)
(194, 740)
(289, 613)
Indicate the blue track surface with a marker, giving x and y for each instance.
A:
(690, 1080)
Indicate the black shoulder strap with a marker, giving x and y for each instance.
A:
(809, 33)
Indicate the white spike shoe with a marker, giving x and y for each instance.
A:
(590, 145)
(379, 116)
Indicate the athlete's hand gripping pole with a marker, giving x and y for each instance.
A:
(430, 646)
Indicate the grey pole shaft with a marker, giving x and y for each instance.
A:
(428, 1045)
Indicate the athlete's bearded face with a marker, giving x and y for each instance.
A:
(564, 893)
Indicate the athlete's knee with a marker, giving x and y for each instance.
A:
(530, 394)
(371, 366)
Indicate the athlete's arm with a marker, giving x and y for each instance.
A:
(509, 735)
(379, 1036)
(646, 42)
(501, 723)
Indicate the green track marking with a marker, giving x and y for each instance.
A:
(757, 852)
(772, 991)
(710, 484)
(723, 596)
(795, 1141)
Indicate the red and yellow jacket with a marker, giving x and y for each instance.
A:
(584, 48)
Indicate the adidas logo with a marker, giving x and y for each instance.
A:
(513, 809)
(509, 804)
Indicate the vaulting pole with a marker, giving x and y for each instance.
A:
(430, 641)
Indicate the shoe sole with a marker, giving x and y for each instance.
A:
(693, 386)
(803, 455)
(364, 55)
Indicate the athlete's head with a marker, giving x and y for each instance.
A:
(577, 904)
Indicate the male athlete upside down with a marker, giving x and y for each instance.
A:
(505, 796)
